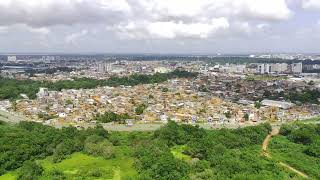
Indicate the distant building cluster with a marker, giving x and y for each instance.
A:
(222, 93)
(279, 68)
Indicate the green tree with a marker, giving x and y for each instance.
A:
(257, 104)
(140, 109)
(246, 117)
(30, 170)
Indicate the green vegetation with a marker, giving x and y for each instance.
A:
(140, 109)
(165, 90)
(257, 104)
(316, 119)
(11, 88)
(246, 117)
(45, 116)
(218, 154)
(299, 146)
(34, 151)
(30, 170)
(89, 167)
(29, 141)
(306, 96)
(178, 152)
(203, 88)
(112, 117)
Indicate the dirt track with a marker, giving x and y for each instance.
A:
(274, 132)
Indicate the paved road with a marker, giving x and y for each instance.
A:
(153, 127)
(15, 118)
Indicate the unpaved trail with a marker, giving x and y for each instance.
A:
(294, 170)
(274, 132)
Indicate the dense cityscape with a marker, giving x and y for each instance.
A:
(216, 94)
(159, 90)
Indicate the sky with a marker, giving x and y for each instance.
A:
(160, 26)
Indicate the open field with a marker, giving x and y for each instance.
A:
(80, 166)
(177, 152)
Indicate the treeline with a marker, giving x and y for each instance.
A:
(29, 141)
(111, 117)
(48, 70)
(11, 88)
(305, 96)
(214, 154)
(217, 154)
(306, 134)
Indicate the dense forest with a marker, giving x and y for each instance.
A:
(11, 88)
(172, 152)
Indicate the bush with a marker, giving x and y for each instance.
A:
(30, 170)
(56, 175)
(314, 149)
(98, 147)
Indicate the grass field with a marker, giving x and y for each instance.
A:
(82, 166)
(177, 152)
(293, 154)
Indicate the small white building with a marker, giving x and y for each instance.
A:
(161, 70)
(12, 58)
(43, 92)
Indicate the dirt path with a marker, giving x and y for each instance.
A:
(274, 132)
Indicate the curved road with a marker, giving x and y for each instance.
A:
(274, 132)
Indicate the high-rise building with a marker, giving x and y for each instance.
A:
(267, 68)
(264, 68)
(296, 67)
(261, 68)
(12, 58)
(279, 67)
(104, 67)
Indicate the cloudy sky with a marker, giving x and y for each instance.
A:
(160, 26)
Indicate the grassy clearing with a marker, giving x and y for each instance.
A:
(8, 176)
(177, 152)
(82, 166)
(293, 154)
(90, 167)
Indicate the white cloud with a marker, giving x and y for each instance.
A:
(255, 9)
(72, 38)
(42, 31)
(169, 19)
(3, 29)
(311, 4)
(39, 13)
(172, 30)
(262, 26)
(146, 19)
